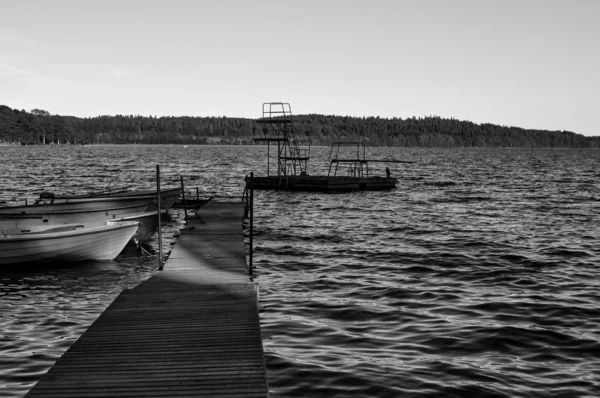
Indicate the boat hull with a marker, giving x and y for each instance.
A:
(21, 224)
(148, 224)
(30, 216)
(167, 197)
(54, 206)
(120, 193)
(79, 244)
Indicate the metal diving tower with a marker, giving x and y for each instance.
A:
(278, 126)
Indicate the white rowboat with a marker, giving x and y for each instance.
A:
(11, 224)
(67, 243)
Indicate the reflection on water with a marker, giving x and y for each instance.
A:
(477, 276)
(46, 308)
(44, 311)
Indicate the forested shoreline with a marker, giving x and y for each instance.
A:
(38, 127)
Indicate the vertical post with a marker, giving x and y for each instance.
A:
(246, 198)
(183, 199)
(251, 221)
(160, 254)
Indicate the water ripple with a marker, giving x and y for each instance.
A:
(476, 277)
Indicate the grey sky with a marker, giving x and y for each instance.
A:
(532, 64)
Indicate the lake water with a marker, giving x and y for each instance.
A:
(478, 276)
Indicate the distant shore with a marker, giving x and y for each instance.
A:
(39, 127)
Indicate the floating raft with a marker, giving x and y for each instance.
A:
(190, 330)
(293, 154)
(324, 183)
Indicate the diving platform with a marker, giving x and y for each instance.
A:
(290, 160)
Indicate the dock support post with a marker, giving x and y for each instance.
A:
(251, 221)
(160, 254)
(246, 198)
(183, 200)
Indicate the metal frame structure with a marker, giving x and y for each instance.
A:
(357, 166)
(292, 154)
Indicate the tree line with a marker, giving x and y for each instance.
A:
(39, 127)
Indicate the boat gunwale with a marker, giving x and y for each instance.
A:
(144, 214)
(118, 195)
(31, 236)
(37, 212)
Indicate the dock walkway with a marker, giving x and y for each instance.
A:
(190, 330)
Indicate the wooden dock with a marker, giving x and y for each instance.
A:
(190, 330)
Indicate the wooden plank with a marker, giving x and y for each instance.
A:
(190, 330)
(221, 228)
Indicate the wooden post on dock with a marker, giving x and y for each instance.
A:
(183, 200)
(160, 254)
(251, 221)
(246, 198)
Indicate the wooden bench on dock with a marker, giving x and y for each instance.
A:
(190, 330)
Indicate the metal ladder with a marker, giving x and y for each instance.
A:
(291, 157)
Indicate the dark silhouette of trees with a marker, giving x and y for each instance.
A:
(40, 127)
(40, 112)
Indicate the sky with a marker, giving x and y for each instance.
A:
(531, 63)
